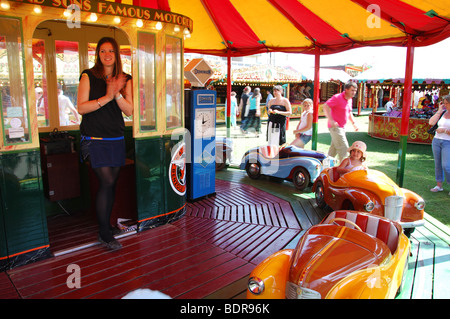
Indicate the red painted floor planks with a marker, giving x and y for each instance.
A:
(218, 242)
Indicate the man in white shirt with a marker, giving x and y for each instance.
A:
(66, 107)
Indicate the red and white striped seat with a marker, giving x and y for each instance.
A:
(380, 228)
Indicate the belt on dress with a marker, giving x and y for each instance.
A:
(90, 138)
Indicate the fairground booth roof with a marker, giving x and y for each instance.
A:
(245, 27)
(395, 74)
(255, 74)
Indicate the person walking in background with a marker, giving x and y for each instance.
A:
(104, 93)
(279, 108)
(233, 109)
(65, 108)
(253, 112)
(243, 104)
(40, 109)
(338, 110)
(441, 144)
(303, 132)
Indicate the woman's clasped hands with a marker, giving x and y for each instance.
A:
(115, 84)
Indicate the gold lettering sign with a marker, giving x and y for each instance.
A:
(118, 9)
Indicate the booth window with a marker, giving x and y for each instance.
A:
(174, 82)
(40, 83)
(68, 73)
(146, 62)
(15, 115)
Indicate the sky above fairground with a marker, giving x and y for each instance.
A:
(434, 57)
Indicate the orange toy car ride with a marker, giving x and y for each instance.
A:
(370, 191)
(348, 255)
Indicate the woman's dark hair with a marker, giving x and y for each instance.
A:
(97, 69)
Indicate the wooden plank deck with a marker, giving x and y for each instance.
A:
(66, 232)
(208, 253)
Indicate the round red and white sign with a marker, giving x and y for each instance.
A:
(177, 170)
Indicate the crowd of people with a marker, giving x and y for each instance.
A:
(424, 109)
(249, 110)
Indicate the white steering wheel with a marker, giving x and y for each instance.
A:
(346, 221)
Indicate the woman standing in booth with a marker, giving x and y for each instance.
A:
(104, 93)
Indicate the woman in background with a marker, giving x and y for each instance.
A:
(441, 144)
(279, 107)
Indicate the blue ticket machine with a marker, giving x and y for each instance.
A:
(201, 123)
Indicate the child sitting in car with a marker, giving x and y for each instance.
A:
(356, 159)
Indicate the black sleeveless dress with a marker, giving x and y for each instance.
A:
(102, 131)
(277, 123)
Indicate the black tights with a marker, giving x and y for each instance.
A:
(107, 178)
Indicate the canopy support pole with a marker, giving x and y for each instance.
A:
(228, 106)
(316, 99)
(404, 129)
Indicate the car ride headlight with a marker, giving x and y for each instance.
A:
(305, 293)
(369, 206)
(255, 285)
(420, 205)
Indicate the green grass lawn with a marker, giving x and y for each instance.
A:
(381, 155)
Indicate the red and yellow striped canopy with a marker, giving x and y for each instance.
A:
(244, 27)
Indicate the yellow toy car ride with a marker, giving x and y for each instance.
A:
(369, 190)
(348, 255)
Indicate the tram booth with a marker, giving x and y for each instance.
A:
(44, 46)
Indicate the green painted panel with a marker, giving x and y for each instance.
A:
(156, 198)
(149, 163)
(3, 239)
(22, 212)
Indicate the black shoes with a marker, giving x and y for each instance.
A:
(115, 231)
(111, 245)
